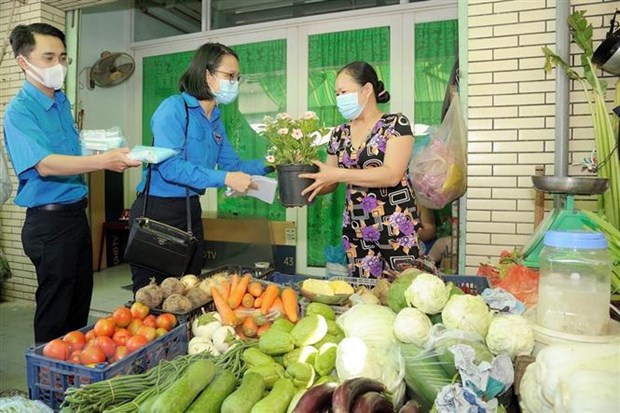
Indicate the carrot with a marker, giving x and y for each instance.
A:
(258, 301)
(289, 302)
(269, 296)
(236, 295)
(262, 329)
(277, 306)
(248, 300)
(234, 282)
(226, 313)
(250, 329)
(223, 288)
(255, 288)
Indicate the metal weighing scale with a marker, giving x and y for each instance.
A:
(561, 219)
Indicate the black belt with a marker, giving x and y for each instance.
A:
(76, 206)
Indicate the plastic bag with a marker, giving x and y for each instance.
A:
(151, 154)
(439, 171)
(19, 404)
(5, 180)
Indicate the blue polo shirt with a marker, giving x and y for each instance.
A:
(209, 152)
(36, 126)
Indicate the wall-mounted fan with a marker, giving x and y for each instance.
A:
(111, 69)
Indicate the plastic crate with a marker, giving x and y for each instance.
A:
(339, 309)
(48, 378)
(470, 284)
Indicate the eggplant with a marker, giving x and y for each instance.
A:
(316, 399)
(372, 402)
(411, 406)
(349, 390)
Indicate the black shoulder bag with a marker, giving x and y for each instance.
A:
(158, 246)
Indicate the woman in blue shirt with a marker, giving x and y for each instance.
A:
(206, 160)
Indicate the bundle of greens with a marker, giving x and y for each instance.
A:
(605, 123)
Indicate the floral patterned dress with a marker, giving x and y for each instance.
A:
(379, 225)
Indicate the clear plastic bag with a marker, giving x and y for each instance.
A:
(5, 180)
(439, 171)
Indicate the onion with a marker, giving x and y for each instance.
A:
(171, 286)
(190, 281)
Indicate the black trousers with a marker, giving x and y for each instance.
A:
(59, 245)
(171, 211)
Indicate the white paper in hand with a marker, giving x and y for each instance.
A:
(266, 191)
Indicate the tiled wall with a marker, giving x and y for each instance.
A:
(512, 117)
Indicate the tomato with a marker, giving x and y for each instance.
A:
(76, 339)
(92, 355)
(104, 327)
(120, 353)
(134, 326)
(121, 336)
(172, 318)
(76, 357)
(149, 321)
(57, 349)
(161, 331)
(122, 316)
(139, 310)
(106, 344)
(90, 335)
(164, 321)
(149, 332)
(136, 342)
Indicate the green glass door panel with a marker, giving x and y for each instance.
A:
(328, 53)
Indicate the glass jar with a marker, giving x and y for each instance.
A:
(574, 288)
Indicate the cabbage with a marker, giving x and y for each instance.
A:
(427, 293)
(412, 326)
(510, 334)
(372, 323)
(468, 313)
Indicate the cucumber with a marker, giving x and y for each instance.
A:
(278, 399)
(246, 396)
(177, 397)
(211, 398)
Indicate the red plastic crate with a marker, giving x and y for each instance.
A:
(48, 378)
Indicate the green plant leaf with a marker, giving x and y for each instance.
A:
(581, 31)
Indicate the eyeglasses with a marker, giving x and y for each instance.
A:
(232, 77)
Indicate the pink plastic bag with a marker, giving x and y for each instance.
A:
(439, 171)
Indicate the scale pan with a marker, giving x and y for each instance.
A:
(580, 185)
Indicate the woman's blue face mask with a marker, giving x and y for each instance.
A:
(349, 105)
(228, 92)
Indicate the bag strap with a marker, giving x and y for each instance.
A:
(149, 171)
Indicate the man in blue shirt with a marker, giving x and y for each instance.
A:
(43, 145)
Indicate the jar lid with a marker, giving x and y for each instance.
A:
(577, 240)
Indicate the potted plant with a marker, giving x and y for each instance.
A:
(292, 146)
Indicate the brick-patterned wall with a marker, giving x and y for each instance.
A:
(23, 283)
(512, 117)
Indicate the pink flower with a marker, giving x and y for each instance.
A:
(270, 158)
(310, 115)
(283, 131)
(298, 134)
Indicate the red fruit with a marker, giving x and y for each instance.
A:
(139, 310)
(57, 349)
(104, 327)
(149, 321)
(75, 357)
(161, 331)
(90, 335)
(106, 344)
(92, 355)
(134, 326)
(136, 342)
(148, 332)
(122, 316)
(76, 339)
(121, 336)
(164, 321)
(120, 353)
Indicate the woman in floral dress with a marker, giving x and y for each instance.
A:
(370, 154)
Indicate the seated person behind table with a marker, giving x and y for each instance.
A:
(436, 248)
